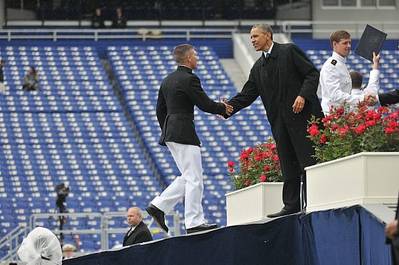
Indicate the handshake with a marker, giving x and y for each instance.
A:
(229, 108)
(370, 99)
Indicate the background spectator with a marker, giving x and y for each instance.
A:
(97, 21)
(2, 87)
(138, 231)
(31, 80)
(68, 251)
(119, 20)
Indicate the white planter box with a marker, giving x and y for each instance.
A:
(254, 203)
(357, 179)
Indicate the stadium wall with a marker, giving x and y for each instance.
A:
(223, 47)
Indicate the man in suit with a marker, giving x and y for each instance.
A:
(138, 231)
(392, 234)
(180, 91)
(286, 80)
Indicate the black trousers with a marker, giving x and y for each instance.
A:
(296, 152)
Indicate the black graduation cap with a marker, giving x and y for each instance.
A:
(370, 41)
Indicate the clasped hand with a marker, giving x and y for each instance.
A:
(229, 108)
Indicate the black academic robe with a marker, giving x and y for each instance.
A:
(180, 91)
(139, 235)
(278, 80)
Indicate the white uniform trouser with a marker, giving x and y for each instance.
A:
(189, 185)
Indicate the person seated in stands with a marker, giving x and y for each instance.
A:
(2, 87)
(370, 92)
(31, 80)
(119, 21)
(138, 231)
(97, 21)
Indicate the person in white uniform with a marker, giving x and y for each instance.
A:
(335, 83)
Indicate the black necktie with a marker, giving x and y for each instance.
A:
(130, 231)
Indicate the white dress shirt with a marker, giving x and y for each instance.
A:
(268, 52)
(335, 84)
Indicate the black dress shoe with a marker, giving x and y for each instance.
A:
(200, 228)
(282, 213)
(158, 215)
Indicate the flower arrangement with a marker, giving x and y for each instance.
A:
(256, 164)
(345, 132)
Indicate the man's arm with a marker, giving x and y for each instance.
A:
(389, 98)
(374, 80)
(203, 102)
(161, 109)
(248, 94)
(309, 72)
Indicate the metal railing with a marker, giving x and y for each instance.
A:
(12, 241)
(219, 29)
(91, 34)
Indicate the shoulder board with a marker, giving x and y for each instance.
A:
(333, 62)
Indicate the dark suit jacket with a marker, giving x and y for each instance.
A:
(389, 98)
(139, 235)
(278, 80)
(180, 91)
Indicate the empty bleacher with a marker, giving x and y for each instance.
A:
(72, 130)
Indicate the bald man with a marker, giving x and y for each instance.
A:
(138, 231)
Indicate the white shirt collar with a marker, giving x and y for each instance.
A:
(339, 57)
(270, 50)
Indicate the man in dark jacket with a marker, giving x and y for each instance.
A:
(180, 91)
(138, 231)
(286, 81)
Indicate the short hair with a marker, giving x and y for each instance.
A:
(357, 79)
(339, 35)
(137, 210)
(180, 52)
(264, 28)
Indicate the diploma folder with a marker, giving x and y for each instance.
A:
(371, 41)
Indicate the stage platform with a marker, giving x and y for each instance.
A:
(345, 236)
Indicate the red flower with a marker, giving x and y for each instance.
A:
(230, 164)
(389, 130)
(275, 158)
(334, 127)
(343, 130)
(360, 129)
(266, 168)
(383, 110)
(313, 130)
(323, 139)
(392, 124)
(258, 157)
(230, 169)
(244, 156)
(262, 178)
(371, 123)
(339, 112)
